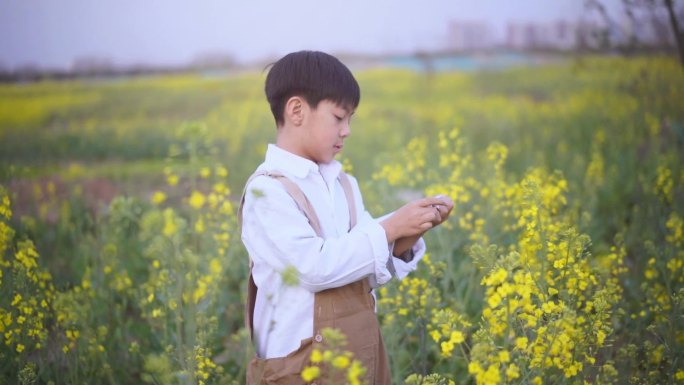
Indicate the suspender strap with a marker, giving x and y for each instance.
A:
(294, 191)
(305, 205)
(349, 194)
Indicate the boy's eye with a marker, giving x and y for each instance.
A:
(339, 118)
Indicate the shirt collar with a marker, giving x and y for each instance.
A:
(283, 160)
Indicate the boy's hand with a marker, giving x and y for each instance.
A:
(443, 209)
(417, 217)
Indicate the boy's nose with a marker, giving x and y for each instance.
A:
(346, 130)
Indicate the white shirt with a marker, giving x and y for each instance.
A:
(279, 238)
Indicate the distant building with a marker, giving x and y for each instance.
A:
(558, 35)
(469, 36)
(640, 29)
(465, 36)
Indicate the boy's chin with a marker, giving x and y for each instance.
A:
(326, 159)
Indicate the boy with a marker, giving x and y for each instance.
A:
(300, 213)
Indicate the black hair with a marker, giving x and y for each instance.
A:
(314, 76)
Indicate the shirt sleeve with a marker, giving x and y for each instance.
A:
(278, 235)
(401, 268)
(398, 267)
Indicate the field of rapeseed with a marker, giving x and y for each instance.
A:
(562, 263)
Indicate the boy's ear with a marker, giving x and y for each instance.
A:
(295, 109)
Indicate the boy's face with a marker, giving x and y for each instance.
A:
(325, 129)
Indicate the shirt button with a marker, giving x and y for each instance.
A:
(318, 338)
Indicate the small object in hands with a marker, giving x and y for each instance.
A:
(407, 256)
(438, 212)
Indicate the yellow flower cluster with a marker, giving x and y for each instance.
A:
(205, 366)
(448, 329)
(70, 308)
(675, 226)
(413, 162)
(663, 301)
(430, 379)
(664, 184)
(186, 248)
(595, 172)
(547, 304)
(26, 308)
(454, 162)
(333, 363)
(411, 301)
(545, 310)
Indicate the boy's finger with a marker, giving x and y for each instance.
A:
(431, 201)
(426, 226)
(446, 200)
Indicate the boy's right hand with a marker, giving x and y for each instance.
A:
(414, 218)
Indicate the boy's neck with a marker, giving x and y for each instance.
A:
(290, 143)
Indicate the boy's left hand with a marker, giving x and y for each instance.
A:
(442, 210)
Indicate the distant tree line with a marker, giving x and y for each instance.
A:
(623, 30)
(98, 67)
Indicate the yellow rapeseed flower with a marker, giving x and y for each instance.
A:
(504, 356)
(215, 266)
(341, 362)
(170, 226)
(196, 200)
(205, 172)
(311, 373)
(600, 337)
(199, 225)
(475, 368)
(675, 225)
(491, 376)
(316, 356)
(447, 348)
(221, 171)
(496, 278)
(5, 209)
(221, 188)
(494, 300)
(679, 375)
(172, 180)
(355, 372)
(512, 372)
(521, 343)
(200, 291)
(158, 197)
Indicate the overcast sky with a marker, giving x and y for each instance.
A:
(52, 33)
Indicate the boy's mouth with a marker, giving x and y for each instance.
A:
(338, 147)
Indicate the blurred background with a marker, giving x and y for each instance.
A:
(79, 37)
(128, 129)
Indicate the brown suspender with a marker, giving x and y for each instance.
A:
(349, 194)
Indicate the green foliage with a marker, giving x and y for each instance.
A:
(562, 262)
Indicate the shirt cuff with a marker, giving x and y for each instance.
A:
(402, 268)
(381, 253)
